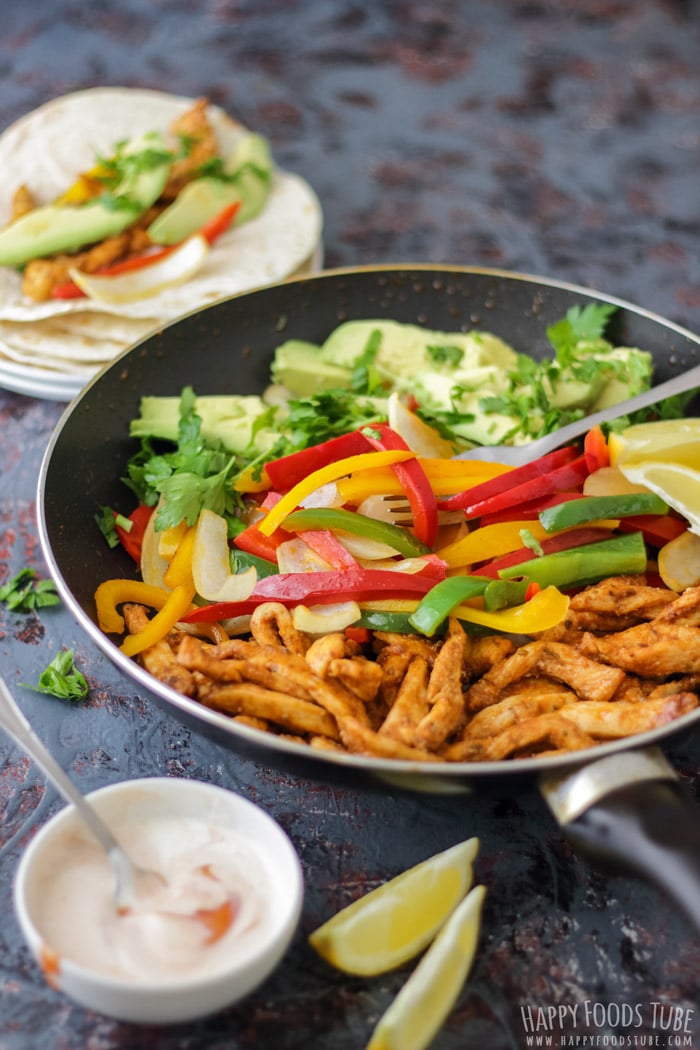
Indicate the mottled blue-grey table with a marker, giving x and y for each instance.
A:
(560, 139)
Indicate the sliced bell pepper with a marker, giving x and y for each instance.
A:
(509, 480)
(331, 472)
(580, 566)
(179, 571)
(567, 477)
(132, 539)
(656, 529)
(317, 588)
(324, 543)
(544, 610)
(530, 510)
(439, 602)
(414, 480)
(595, 449)
(254, 542)
(112, 593)
(289, 470)
(360, 635)
(593, 508)
(178, 602)
(502, 594)
(446, 476)
(489, 541)
(561, 542)
(335, 518)
(393, 622)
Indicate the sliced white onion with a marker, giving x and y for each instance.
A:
(153, 565)
(325, 619)
(211, 564)
(175, 268)
(364, 547)
(325, 496)
(410, 566)
(296, 556)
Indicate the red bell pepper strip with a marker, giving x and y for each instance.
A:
(253, 541)
(414, 481)
(318, 588)
(656, 529)
(563, 542)
(286, 472)
(531, 510)
(360, 635)
(565, 478)
(511, 478)
(324, 543)
(210, 231)
(132, 539)
(595, 449)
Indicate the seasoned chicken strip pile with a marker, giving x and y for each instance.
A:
(626, 660)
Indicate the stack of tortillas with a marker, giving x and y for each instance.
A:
(51, 349)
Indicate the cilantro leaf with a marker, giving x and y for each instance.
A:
(451, 355)
(25, 593)
(62, 678)
(580, 324)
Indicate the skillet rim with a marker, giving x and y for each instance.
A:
(396, 772)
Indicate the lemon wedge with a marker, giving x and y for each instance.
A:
(666, 440)
(211, 565)
(174, 268)
(394, 922)
(677, 484)
(419, 1010)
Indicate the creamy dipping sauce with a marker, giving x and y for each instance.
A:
(211, 911)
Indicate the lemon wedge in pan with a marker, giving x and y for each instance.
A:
(394, 922)
(662, 441)
(174, 268)
(677, 484)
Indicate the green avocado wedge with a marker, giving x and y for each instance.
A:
(65, 228)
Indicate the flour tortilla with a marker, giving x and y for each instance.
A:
(49, 147)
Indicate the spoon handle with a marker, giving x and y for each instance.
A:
(14, 722)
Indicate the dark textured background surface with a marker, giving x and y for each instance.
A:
(559, 139)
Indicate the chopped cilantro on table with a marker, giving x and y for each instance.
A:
(62, 678)
(25, 592)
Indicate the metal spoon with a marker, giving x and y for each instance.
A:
(517, 455)
(130, 881)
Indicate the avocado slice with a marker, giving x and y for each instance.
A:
(65, 228)
(298, 366)
(247, 176)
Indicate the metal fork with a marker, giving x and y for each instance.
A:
(517, 455)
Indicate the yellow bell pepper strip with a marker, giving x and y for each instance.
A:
(413, 478)
(445, 596)
(178, 603)
(490, 541)
(590, 508)
(331, 472)
(334, 518)
(579, 566)
(252, 480)
(445, 476)
(179, 572)
(545, 609)
(110, 594)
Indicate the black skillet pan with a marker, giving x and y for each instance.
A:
(624, 803)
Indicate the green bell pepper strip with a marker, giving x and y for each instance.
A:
(579, 566)
(436, 606)
(593, 508)
(502, 594)
(395, 623)
(334, 518)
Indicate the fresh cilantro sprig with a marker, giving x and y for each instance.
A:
(25, 592)
(62, 678)
(581, 324)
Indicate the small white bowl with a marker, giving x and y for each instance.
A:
(182, 998)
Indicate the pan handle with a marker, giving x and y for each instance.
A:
(630, 811)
